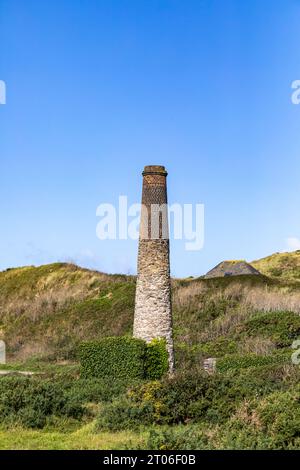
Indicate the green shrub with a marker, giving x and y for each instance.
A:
(122, 413)
(280, 417)
(96, 390)
(31, 418)
(115, 357)
(124, 358)
(218, 347)
(266, 378)
(31, 401)
(157, 362)
(179, 438)
(281, 327)
(250, 360)
(270, 423)
(189, 398)
(177, 400)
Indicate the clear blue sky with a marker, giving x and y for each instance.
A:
(97, 89)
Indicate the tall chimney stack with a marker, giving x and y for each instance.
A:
(153, 310)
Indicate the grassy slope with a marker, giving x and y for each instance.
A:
(81, 439)
(48, 310)
(45, 312)
(282, 265)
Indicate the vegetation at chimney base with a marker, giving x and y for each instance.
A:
(115, 357)
(157, 363)
(124, 357)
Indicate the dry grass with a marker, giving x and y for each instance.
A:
(268, 300)
(257, 345)
(245, 414)
(185, 296)
(261, 298)
(44, 302)
(51, 308)
(234, 304)
(225, 324)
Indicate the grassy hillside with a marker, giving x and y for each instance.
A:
(47, 311)
(282, 265)
(247, 322)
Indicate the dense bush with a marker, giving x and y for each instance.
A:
(181, 399)
(122, 414)
(279, 415)
(31, 402)
(251, 360)
(156, 360)
(124, 358)
(115, 357)
(193, 398)
(179, 438)
(34, 401)
(270, 423)
(95, 390)
(281, 327)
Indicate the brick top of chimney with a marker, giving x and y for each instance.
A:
(154, 170)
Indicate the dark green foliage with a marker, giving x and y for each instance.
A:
(281, 327)
(157, 363)
(95, 390)
(219, 347)
(123, 413)
(250, 360)
(176, 400)
(269, 423)
(31, 401)
(179, 438)
(124, 358)
(115, 357)
(193, 398)
(280, 417)
(252, 402)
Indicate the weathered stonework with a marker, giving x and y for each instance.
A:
(153, 310)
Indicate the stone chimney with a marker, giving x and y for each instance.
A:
(153, 310)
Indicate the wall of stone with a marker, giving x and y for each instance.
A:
(153, 309)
